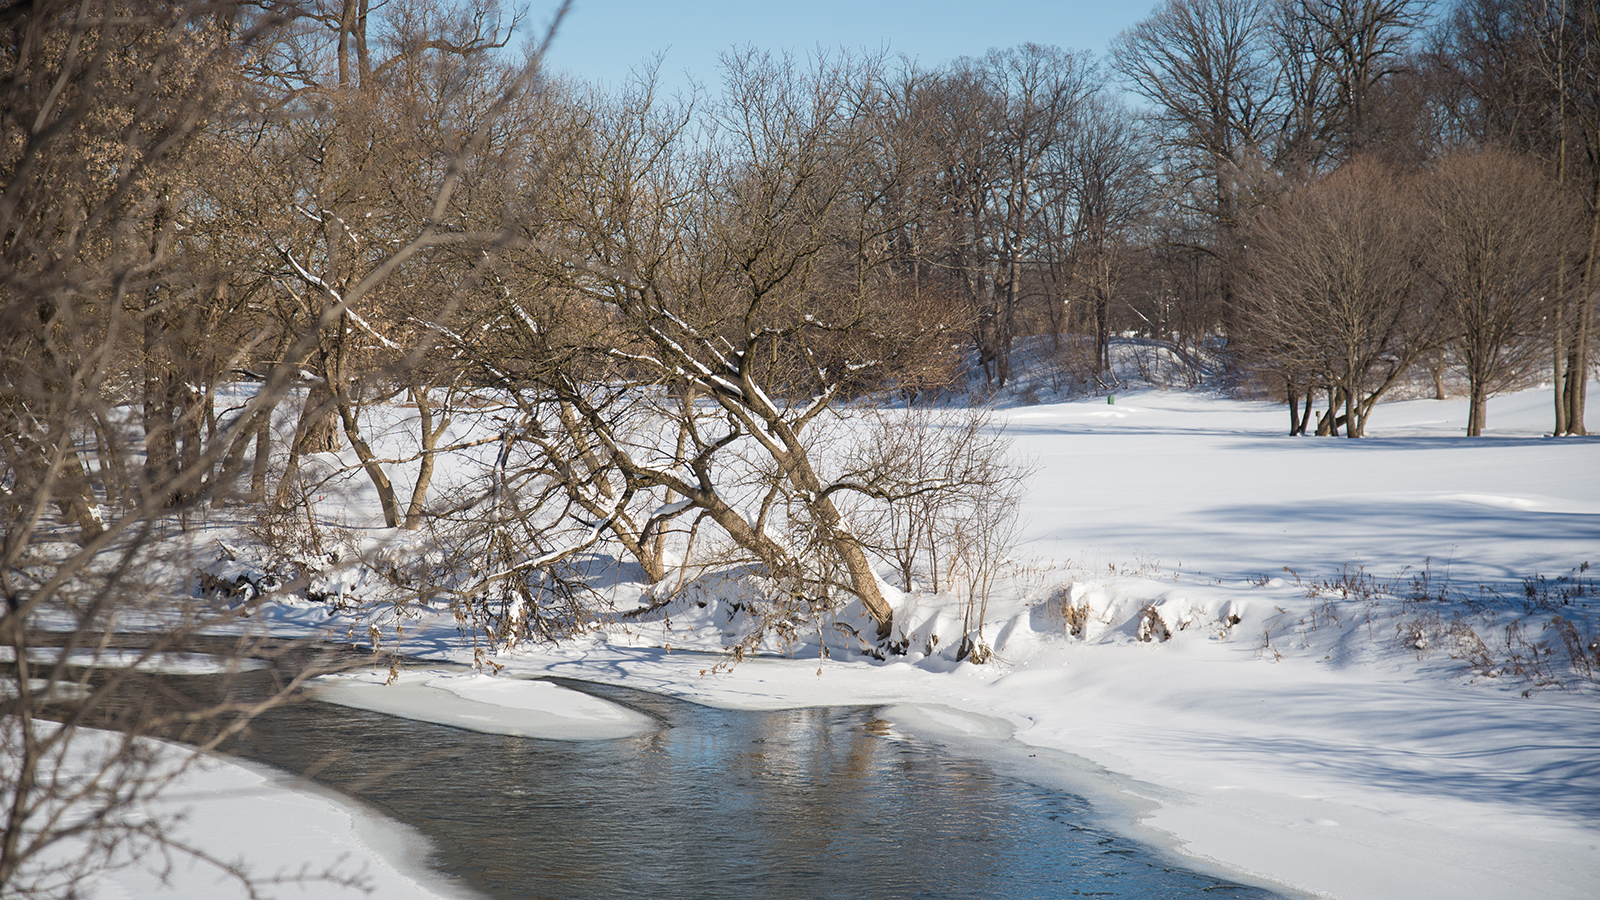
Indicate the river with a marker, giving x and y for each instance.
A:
(804, 803)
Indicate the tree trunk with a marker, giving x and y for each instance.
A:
(863, 580)
(318, 431)
(263, 458)
(1476, 414)
(1328, 423)
(1352, 412)
(55, 464)
(227, 471)
(430, 445)
(159, 415)
(369, 459)
(194, 400)
(1008, 320)
(1102, 329)
(76, 498)
(1558, 367)
(1296, 421)
(864, 583)
(1578, 363)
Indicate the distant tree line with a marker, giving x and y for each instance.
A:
(363, 206)
(329, 190)
(1372, 186)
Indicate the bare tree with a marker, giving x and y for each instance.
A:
(995, 130)
(1334, 288)
(1336, 57)
(742, 296)
(1111, 191)
(1499, 234)
(1203, 65)
(944, 502)
(105, 102)
(114, 108)
(1523, 74)
(688, 320)
(368, 131)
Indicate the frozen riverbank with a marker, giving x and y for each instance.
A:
(1329, 726)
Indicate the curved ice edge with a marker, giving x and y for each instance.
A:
(163, 663)
(1118, 802)
(404, 848)
(468, 700)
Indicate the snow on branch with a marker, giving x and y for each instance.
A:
(354, 317)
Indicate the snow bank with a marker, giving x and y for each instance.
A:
(483, 703)
(293, 838)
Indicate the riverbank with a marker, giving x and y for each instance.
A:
(225, 817)
(1364, 690)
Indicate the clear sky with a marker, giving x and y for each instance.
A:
(601, 40)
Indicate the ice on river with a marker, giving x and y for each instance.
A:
(522, 707)
(144, 661)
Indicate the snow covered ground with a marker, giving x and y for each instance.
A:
(294, 838)
(1366, 693)
(289, 833)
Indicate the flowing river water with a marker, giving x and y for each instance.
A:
(803, 803)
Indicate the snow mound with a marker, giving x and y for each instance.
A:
(485, 703)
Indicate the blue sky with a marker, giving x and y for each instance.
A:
(602, 40)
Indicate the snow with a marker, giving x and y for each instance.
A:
(162, 663)
(1311, 724)
(537, 709)
(1214, 486)
(668, 510)
(284, 830)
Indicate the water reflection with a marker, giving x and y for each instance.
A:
(811, 803)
